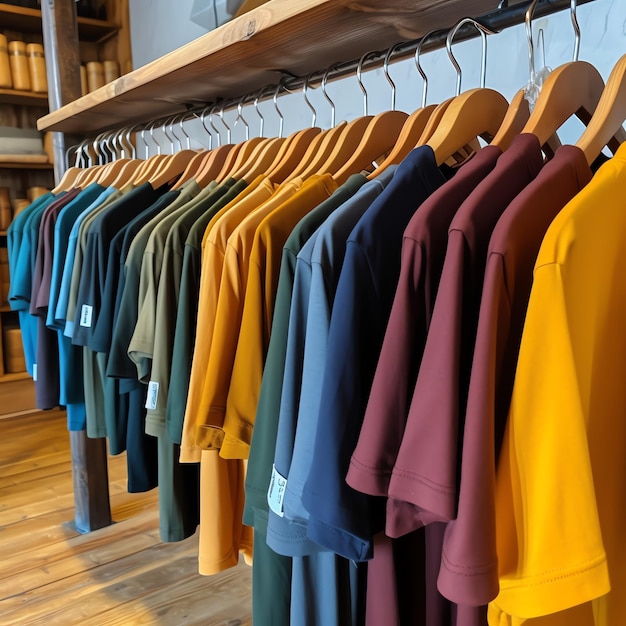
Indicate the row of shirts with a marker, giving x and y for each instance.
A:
(351, 353)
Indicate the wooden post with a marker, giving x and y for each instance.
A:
(89, 459)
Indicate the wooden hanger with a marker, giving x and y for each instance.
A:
(291, 154)
(380, 136)
(514, 120)
(475, 113)
(259, 160)
(236, 159)
(205, 166)
(608, 117)
(407, 140)
(571, 89)
(319, 150)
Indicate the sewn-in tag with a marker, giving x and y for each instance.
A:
(85, 315)
(276, 492)
(153, 395)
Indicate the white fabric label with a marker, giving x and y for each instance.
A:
(153, 395)
(276, 492)
(85, 315)
(34, 372)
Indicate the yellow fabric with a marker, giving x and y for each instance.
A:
(258, 311)
(222, 534)
(225, 222)
(561, 484)
(214, 379)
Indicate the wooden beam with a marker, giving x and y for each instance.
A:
(89, 461)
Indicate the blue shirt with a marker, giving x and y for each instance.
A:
(339, 517)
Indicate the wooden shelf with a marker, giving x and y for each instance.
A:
(25, 165)
(28, 98)
(29, 20)
(299, 36)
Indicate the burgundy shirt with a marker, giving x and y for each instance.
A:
(423, 252)
(469, 572)
(424, 478)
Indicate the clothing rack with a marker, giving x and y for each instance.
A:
(275, 40)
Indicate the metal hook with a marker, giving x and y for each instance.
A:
(129, 143)
(258, 111)
(151, 130)
(576, 29)
(484, 31)
(420, 69)
(388, 76)
(217, 132)
(181, 119)
(305, 89)
(528, 17)
(172, 138)
(226, 126)
(359, 69)
(203, 122)
(281, 119)
(145, 143)
(96, 146)
(240, 117)
(332, 104)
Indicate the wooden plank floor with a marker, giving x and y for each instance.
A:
(122, 575)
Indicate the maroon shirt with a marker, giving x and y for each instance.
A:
(424, 478)
(469, 572)
(423, 252)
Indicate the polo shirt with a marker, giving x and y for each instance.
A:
(258, 311)
(209, 404)
(423, 251)
(427, 481)
(561, 491)
(340, 518)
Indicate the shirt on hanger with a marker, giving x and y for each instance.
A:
(258, 311)
(209, 403)
(186, 226)
(339, 518)
(423, 486)
(196, 360)
(141, 346)
(468, 572)
(561, 488)
(423, 251)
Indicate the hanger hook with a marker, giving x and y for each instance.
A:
(226, 126)
(182, 130)
(129, 142)
(206, 128)
(280, 115)
(484, 31)
(240, 117)
(145, 143)
(418, 63)
(212, 125)
(528, 18)
(305, 90)
(172, 138)
(576, 29)
(332, 104)
(175, 119)
(258, 111)
(359, 71)
(388, 76)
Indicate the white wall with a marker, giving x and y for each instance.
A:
(159, 26)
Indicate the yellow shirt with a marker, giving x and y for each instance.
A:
(226, 320)
(256, 320)
(561, 480)
(213, 246)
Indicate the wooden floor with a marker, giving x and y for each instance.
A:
(121, 575)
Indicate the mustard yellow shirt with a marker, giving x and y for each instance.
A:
(561, 479)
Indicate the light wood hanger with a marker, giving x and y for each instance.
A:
(571, 89)
(291, 154)
(514, 120)
(70, 176)
(259, 160)
(605, 127)
(319, 151)
(474, 113)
